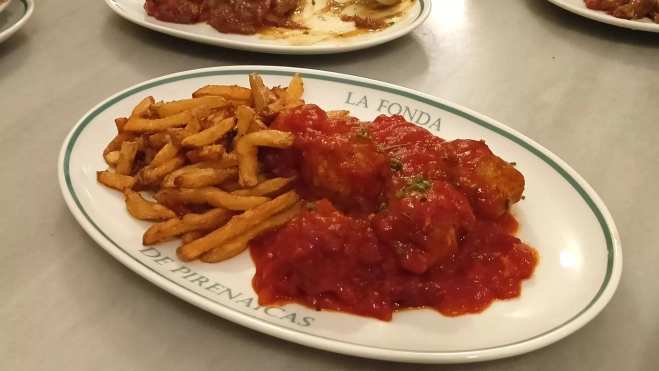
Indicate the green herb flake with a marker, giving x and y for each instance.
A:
(311, 206)
(473, 186)
(523, 197)
(400, 193)
(400, 251)
(382, 207)
(362, 133)
(395, 164)
(482, 140)
(513, 163)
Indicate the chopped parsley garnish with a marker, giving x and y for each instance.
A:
(362, 133)
(395, 164)
(416, 184)
(513, 163)
(473, 186)
(382, 207)
(482, 140)
(311, 206)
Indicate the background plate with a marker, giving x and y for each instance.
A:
(579, 7)
(14, 16)
(562, 218)
(133, 10)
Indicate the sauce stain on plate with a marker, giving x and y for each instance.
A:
(330, 20)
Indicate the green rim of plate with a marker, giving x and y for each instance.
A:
(582, 192)
(25, 8)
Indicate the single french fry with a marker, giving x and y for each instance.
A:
(158, 140)
(211, 196)
(211, 152)
(142, 209)
(210, 135)
(247, 152)
(295, 87)
(245, 116)
(115, 144)
(241, 242)
(142, 107)
(256, 125)
(260, 92)
(194, 235)
(112, 158)
(212, 219)
(236, 226)
(201, 178)
(175, 107)
(120, 123)
(227, 161)
(266, 188)
(126, 158)
(235, 93)
(137, 124)
(165, 154)
(155, 175)
(114, 180)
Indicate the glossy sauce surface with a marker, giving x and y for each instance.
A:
(396, 218)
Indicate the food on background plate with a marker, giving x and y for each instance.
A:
(627, 9)
(339, 214)
(249, 17)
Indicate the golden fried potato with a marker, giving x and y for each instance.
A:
(266, 188)
(155, 175)
(210, 220)
(247, 152)
(114, 180)
(126, 158)
(165, 154)
(210, 135)
(175, 107)
(295, 87)
(245, 116)
(201, 178)
(142, 209)
(211, 196)
(211, 152)
(115, 144)
(241, 243)
(120, 123)
(112, 158)
(260, 92)
(237, 226)
(231, 93)
(136, 124)
(142, 107)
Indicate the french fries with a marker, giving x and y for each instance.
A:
(199, 157)
(247, 152)
(240, 243)
(114, 180)
(238, 225)
(142, 209)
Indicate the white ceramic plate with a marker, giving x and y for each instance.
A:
(579, 7)
(13, 15)
(4, 5)
(133, 10)
(562, 217)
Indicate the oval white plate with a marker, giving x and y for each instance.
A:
(579, 7)
(562, 217)
(13, 16)
(133, 10)
(4, 5)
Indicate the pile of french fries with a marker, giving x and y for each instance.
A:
(198, 158)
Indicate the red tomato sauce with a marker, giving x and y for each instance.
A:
(396, 218)
(227, 16)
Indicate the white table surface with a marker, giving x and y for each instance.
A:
(587, 91)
